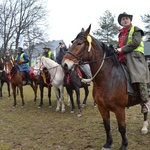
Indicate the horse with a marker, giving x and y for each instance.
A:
(44, 80)
(72, 82)
(56, 80)
(3, 78)
(109, 82)
(17, 79)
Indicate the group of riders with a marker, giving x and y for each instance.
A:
(22, 59)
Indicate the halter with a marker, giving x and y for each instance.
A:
(89, 40)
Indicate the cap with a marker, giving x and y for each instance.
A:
(124, 15)
(19, 49)
(46, 47)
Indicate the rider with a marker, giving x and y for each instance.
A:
(22, 60)
(8, 57)
(131, 51)
(47, 53)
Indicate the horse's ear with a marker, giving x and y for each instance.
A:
(88, 30)
(82, 30)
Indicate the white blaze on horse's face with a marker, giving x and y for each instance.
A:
(69, 63)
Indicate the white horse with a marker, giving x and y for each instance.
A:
(57, 79)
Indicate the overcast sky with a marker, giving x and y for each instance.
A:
(67, 17)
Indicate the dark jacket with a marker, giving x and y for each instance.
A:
(61, 54)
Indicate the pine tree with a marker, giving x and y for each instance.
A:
(108, 30)
(146, 20)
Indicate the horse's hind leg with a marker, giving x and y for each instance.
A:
(1, 89)
(86, 95)
(14, 95)
(21, 94)
(144, 129)
(120, 115)
(41, 95)
(49, 96)
(78, 102)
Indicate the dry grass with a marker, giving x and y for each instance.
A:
(32, 128)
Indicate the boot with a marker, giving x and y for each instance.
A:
(145, 98)
(28, 78)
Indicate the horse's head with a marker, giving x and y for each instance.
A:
(38, 66)
(8, 64)
(80, 51)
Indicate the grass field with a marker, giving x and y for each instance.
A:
(31, 128)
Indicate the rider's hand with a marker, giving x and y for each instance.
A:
(20, 62)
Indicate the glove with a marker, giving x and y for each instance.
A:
(20, 62)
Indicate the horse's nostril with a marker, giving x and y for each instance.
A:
(65, 66)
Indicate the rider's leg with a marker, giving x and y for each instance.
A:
(145, 97)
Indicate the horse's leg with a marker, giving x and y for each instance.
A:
(70, 94)
(77, 90)
(56, 90)
(8, 88)
(0, 89)
(41, 95)
(34, 87)
(14, 95)
(106, 120)
(120, 115)
(86, 95)
(21, 94)
(49, 96)
(144, 129)
(62, 98)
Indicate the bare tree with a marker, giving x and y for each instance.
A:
(26, 17)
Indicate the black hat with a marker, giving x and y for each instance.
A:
(124, 15)
(19, 49)
(46, 47)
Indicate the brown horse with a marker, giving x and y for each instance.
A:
(109, 82)
(3, 78)
(17, 79)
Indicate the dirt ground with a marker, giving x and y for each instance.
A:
(31, 128)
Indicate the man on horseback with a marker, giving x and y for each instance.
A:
(22, 60)
(8, 56)
(131, 51)
(47, 53)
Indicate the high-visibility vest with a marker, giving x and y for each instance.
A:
(50, 54)
(140, 48)
(21, 58)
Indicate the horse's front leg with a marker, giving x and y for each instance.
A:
(61, 98)
(106, 120)
(77, 90)
(21, 94)
(8, 88)
(57, 93)
(144, 129)
(120, 115)
(14, 95)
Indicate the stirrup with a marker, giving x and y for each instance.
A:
(148, 108)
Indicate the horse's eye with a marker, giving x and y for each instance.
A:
(79, 43)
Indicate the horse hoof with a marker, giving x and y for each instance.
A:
(39, 106)
(50, 106)
(57, 109)
(22, 106)
(72, 111)
(63, 110)
(106, 148)
(83, 105)
(144, 131)
(79, 115)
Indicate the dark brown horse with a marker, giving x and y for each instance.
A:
(109, 82)
(3, 78)
(17, 79)
(45, 81)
